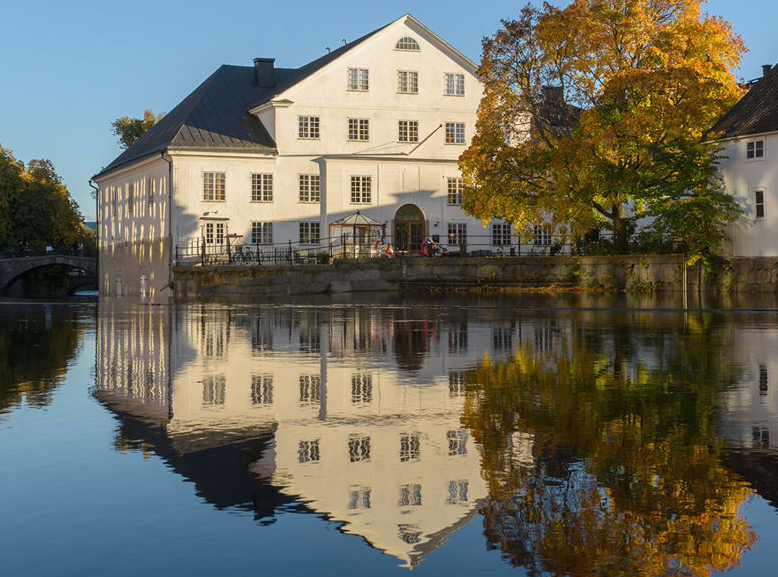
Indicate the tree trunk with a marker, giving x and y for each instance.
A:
(620, 230)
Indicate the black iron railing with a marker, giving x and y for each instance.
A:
(325, 250)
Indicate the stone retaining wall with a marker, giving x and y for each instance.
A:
(642, 274)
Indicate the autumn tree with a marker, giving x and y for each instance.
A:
(595, 116)
(626, 475)
(129, 129)
(35, 207)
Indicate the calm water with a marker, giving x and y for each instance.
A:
(452, 437)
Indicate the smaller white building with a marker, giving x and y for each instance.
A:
(749, 133)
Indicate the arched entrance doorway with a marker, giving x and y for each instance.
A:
(409, 228)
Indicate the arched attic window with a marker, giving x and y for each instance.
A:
(407, 43)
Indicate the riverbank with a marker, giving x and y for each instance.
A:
(590, 274)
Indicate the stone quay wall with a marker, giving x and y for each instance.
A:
(635, 274)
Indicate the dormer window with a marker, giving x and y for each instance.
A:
(408, 44)
(755, 149)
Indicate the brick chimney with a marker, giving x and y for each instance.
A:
(264, 72)
(766, 69)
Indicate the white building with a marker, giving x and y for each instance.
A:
(271, 156)
(749, 133)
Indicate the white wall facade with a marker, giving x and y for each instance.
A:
(744, 177)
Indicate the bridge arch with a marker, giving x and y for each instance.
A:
(12, 269)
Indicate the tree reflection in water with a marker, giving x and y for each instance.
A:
(626, 476)
(36, 344)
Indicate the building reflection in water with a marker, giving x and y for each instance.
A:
(404, 424)
(355, 412)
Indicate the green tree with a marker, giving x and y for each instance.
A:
(595, 115)
(36, 209)
(129, 129)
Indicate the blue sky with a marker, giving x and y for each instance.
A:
(70, 68)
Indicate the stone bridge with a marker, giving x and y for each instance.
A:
(12, 268)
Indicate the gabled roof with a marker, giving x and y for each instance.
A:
(755, 113)
(216, 115)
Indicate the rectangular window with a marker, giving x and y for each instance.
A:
(209, 233)
(456, 187)
(457, 442)
(361, 388)
(261, 233)
(455, 84)
(308, 451)
(457, 233)
(308, 127)
(261, 188)
(358, 129)
(410, 448)
(501, 234)
(150, 190)
(541, 235)
(502, 338)
(407, 82)
(755, 149)
(310, 389)
(408, 131)
(410, 495)
(214, 186)
(131, 198)
(309, 232)
(759, 203)
(358, 448)
(220, 230)
(361, 189)
(359, 79)
(457, 384)
(214, 390)
(359, 499)
(455, 132)
(457, 339)
(310, 188)
(457, 492)
(261, 389)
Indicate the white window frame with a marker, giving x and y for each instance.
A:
(361, 189)
(502, 235)
(309, 188)
(408, 131)
(453, 131)
(261, 232)
(757, 204)
(216, 189)
(310, 232)
(457, 233)
(308, 127)
(261, 187)
(407, 82)
(541, 235)
(407, 44)
(756, 149)
(454, 83)
(455, 188)
(358, 80)
(358, 129)
(131, 198)
(150, 190)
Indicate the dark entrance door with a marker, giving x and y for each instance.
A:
(409, 228)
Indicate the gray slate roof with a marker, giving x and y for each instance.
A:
(215, 115)
(755, 113)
